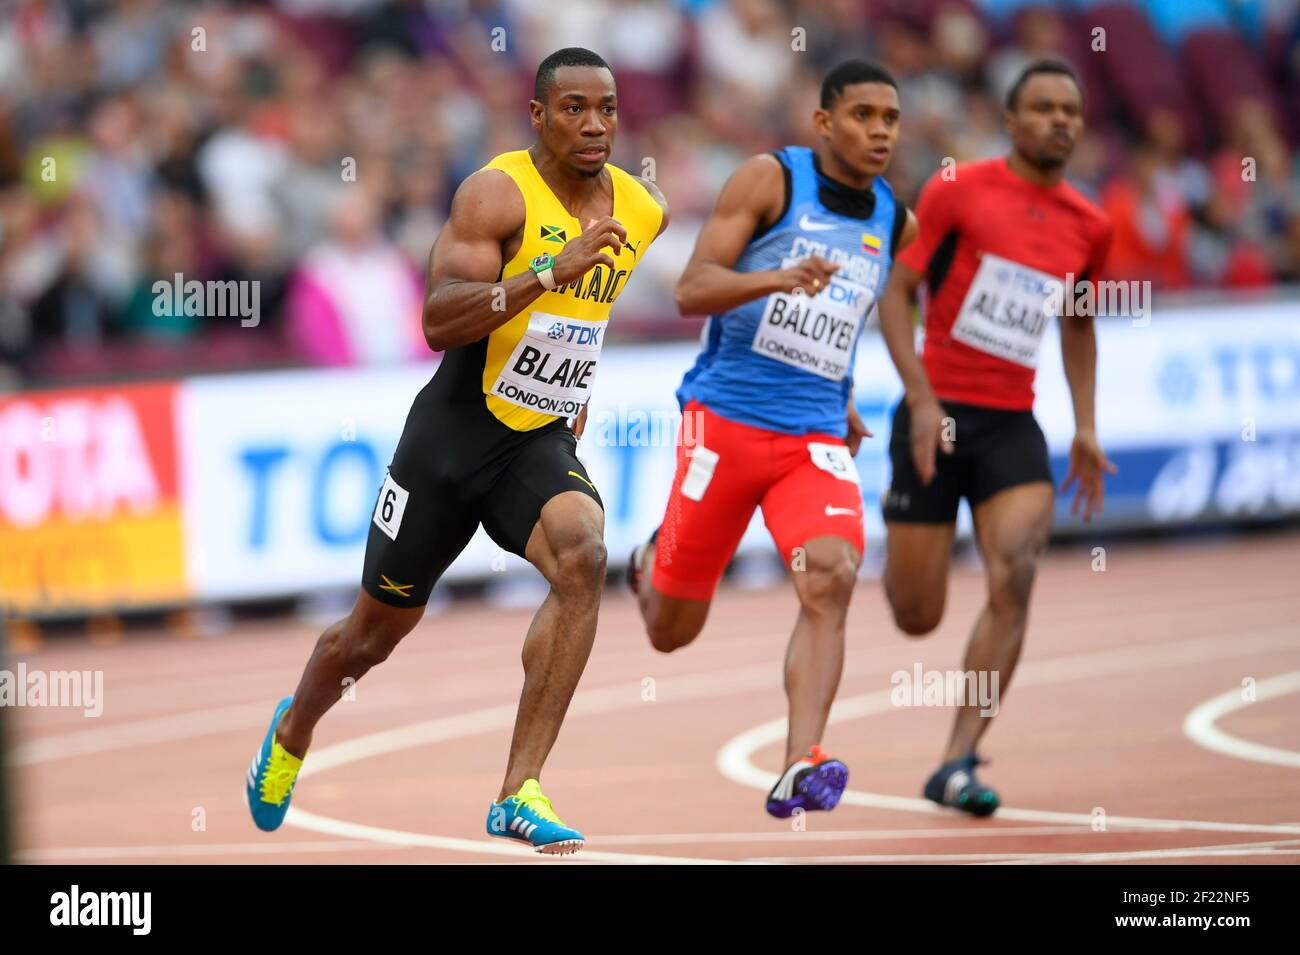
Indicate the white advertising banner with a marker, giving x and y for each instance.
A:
(279, 472)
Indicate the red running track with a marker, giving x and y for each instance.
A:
(667, 757)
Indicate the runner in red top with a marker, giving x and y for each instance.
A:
(987, 223)
(1000, 242)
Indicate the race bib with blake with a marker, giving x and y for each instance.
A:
(816, 333)
(1003, 313)
(553, 366)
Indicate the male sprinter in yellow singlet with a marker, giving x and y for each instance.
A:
(521, 281)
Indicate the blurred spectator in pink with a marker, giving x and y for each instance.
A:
(356, 299)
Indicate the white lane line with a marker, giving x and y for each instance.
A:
(166, 729)
(173, 727)
(397, 837)
(161, 729)
(735, 760)
(621, 696)
(179, 726)
(1279, 848)
(711, 686)
(279, 847)
(1200, 729)
(978, 831)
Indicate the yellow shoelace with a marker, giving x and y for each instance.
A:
(277, 781)
(542, 806)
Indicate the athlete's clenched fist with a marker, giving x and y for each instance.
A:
(580, 255)
(809, 276)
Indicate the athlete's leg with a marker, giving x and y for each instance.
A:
(720, 475)
(814, 513)
(567, 546)
(670, 622)
(814, 659)
(421, 522)
(1012, 528)
(345, 652)
(916, 573)
(409, 547)
(919, 523)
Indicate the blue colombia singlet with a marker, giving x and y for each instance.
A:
(784, 362)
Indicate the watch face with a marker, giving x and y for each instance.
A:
(543, 261)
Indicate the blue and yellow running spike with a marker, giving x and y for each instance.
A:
(272, 776)
(527, 817)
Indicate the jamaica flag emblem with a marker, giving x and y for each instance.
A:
(552, 233)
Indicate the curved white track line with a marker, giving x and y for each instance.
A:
(1200, 729)
(603, 700)
(735, 758)
(742, 680)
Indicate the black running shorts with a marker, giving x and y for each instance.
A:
(456, 467)
(994, 449)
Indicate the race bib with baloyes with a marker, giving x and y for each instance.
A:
(553, 366)
(814, 332)
(1003, 313)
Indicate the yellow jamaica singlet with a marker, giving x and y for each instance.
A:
(541, 364)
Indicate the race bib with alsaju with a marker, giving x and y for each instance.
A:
(1003, 313)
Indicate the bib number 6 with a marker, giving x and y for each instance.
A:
(390, 507)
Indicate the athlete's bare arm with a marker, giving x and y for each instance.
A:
(464, 300)
(896, 319)
(1079, 356)
(927, 414)
(1087, 461)
(710, 284)
(857, 428)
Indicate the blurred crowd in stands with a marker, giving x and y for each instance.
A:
(312, 146)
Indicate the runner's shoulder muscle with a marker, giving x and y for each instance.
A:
(752, 197)
(487, 218)
(758, 187)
